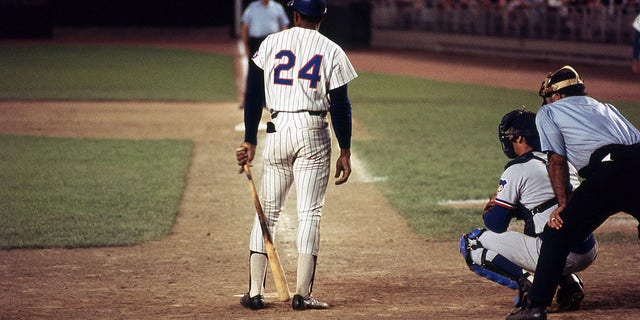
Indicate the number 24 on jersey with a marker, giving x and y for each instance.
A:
(310, 71)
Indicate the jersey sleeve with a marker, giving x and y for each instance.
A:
(342, 72)
(259, 57)
(550, 137)
(507, 198)
(508, 192)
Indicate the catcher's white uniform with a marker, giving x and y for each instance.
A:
(524, 185)
(507, 257)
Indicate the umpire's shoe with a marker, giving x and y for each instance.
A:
(528, 312)
(303, 303)
(524, 285)
(570, 293)
(253, 303)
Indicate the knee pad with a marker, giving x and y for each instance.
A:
(470, 242)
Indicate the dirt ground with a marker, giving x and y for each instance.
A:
(370, 266)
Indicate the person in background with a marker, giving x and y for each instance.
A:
(635, 63)
(260, 19)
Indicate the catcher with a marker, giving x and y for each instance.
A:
(525, 193)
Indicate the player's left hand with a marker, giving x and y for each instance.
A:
(343, 166)
(555, 221)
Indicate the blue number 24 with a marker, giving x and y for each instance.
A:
(310, 71)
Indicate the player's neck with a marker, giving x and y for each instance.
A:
(311, 26)
(299, 22)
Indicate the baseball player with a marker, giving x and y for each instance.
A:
(605, 147)
(306, 77)
(524, 191)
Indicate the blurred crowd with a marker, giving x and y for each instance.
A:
(607, 21)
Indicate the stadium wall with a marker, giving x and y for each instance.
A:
(552, 50)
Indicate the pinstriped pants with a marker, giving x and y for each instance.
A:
(298, 152)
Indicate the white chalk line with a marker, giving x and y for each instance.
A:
(463, 203)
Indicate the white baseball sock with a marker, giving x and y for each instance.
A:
(258, 273)
(306, 272)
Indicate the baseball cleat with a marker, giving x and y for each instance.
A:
(303, 303)
(253, 303)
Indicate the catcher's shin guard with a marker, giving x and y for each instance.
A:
(470, 242)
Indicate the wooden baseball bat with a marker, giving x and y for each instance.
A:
(272, 254)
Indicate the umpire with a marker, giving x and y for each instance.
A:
(605, 147)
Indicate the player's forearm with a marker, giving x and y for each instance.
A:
(559, 176)
(340, 111)
(251, 121)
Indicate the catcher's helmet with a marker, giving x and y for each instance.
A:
(565, 80)
(518, 123)
(311, 8)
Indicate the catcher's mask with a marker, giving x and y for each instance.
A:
(565, 80)
(518, 123)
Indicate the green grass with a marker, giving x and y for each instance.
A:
(57, 192)
(433, 141)
(114, 73)
(437, 141)
(75, 193)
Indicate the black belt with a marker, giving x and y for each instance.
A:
(606, 155)
(313, 113)
(544, 206)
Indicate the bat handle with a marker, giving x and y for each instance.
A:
(246, 169)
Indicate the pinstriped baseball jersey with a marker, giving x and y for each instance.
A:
(300, 67)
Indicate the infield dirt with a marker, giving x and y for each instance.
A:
(370, 266)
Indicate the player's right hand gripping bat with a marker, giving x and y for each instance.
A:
(272, 254)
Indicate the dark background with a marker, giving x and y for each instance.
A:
(347, 22)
